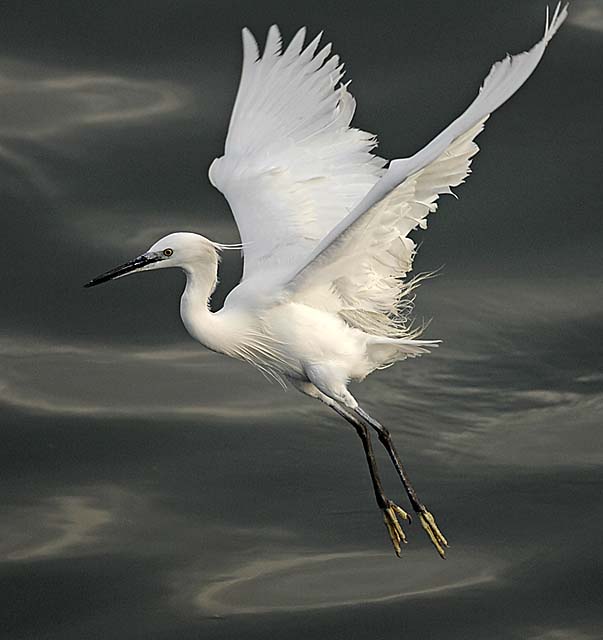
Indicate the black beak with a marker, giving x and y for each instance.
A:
(124, 269)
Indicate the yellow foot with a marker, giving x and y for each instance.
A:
(435, 535)
(391, 513)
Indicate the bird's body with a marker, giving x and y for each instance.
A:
(286, 338)
(324, 230)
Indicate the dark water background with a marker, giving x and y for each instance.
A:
(151, 489)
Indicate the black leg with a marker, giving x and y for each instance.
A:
(391, 511)
(386, 439)
(364, 435)
(427, 520)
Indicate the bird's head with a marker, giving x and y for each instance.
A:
(184, 250)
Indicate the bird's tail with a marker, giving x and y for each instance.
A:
(383, 352)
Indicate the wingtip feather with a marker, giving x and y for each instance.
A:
(250, 46)
(273, 42)
(551, 27)
(312, 46)
(297, 42)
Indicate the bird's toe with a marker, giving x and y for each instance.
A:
(391, 516)
(435, 535)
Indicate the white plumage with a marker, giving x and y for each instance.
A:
(292, 167)
(324, 227)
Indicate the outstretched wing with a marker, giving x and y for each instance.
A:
(361, 260)
(292, 167)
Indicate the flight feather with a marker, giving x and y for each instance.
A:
(292, 166)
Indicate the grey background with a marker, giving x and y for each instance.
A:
(151, 489)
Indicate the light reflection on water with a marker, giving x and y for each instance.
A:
(309, 582)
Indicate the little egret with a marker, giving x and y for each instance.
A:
(324, 231)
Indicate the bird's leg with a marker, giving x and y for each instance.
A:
(427, 520)
(391, 511)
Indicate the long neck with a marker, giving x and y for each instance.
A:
(232, 331)
(200, 322)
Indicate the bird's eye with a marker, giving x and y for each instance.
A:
(168, 252)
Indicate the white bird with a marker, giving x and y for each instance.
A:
(324, 230)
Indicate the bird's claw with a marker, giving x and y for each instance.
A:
(391, 513)
(435, 535)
